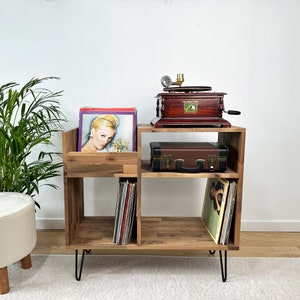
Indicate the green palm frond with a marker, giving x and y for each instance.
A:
(29, 117)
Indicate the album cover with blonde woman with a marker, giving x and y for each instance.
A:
(107, 129)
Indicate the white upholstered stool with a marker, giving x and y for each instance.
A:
(17, 233)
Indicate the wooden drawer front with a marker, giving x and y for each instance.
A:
(107, 164)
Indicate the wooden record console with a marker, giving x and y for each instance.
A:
(155, 235)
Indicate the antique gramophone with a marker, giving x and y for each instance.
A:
(193, 106)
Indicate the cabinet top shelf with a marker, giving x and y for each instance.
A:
(150, 128)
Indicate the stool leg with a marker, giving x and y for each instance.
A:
(4, 284)
(26, 262)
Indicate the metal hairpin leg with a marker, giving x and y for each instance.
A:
(223, 267)
(84, 251)
(78, 275)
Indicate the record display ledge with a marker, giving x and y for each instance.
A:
(154, 235)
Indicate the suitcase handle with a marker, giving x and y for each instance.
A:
(180, 168)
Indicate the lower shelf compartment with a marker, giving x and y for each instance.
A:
(177, 233)
(157, 234)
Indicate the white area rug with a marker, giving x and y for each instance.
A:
(152, 277)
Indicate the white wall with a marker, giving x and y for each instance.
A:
(113, 53)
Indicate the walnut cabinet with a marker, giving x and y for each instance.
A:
(155, 235)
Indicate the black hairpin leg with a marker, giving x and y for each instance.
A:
(212, 252)
(78, 275)
(223, 266)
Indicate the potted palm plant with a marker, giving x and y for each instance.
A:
(29, 117)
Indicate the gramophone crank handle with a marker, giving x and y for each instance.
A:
(232, 112)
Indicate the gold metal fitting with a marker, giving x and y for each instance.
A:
(180, 79)
(166, 80)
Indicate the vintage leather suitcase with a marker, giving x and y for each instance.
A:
(188, 109)
(188, 157)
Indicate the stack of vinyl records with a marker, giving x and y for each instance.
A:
(125, 211)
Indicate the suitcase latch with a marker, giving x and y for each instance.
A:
(211, 162)
(167, 160)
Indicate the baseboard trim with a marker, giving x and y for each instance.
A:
(247, 225)
(274, 225)
(50, 223)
